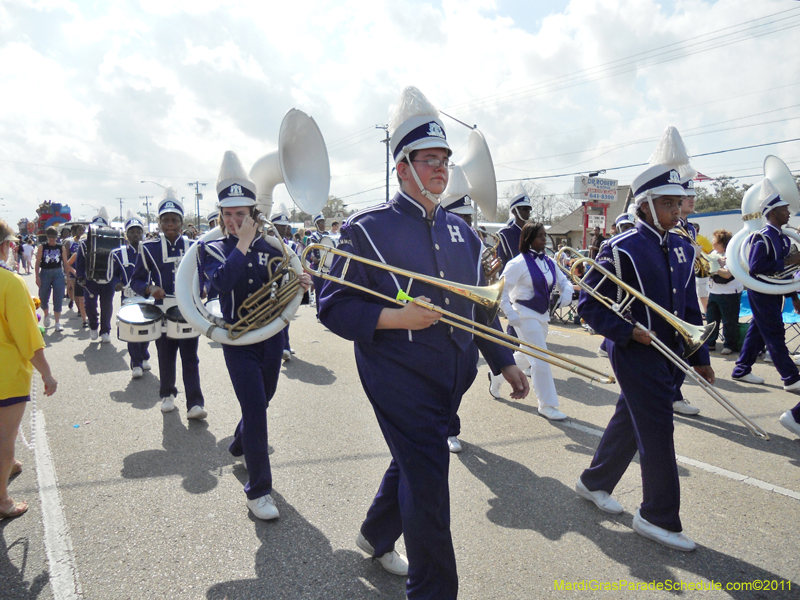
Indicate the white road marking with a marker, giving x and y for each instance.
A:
(57, 541)
(706, 467)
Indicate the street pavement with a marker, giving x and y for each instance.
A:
(127, 502)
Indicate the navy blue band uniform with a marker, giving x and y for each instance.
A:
(768, 249)
(156, 265)
(124, 261)
(254, 368)
(414, 379)
(663, 269)
(94, 291)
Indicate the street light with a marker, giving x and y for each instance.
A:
(596, 173)
(163, 187)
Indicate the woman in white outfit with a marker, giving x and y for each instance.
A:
(530, 278)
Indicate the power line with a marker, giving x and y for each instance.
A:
(645, 164)
(573, 79)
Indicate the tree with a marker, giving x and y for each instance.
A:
(726, 195)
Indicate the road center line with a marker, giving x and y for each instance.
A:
(704, 466)
(57, 541)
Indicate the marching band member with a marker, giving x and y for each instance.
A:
(316, 238)
(94, 290)
(212, 219)
(660, 265)
(414, 370)
(520, 208)
(687, 208)
(124, 261)
(154, 275)
(770, 252)
(281, 222)
(530, 278)
(238, 266)
(624, 222)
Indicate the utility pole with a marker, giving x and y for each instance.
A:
(120, 209)
(147, 210)
(197, 197)
(386, 141)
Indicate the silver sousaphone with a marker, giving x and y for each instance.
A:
(737, 253)
(301, 164)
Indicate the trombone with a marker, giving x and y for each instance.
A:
(694, 335)
(487, 297)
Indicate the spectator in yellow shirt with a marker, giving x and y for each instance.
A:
(21, 349)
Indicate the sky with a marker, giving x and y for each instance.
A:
(100, 96)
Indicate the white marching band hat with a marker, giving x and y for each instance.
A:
(769, 197)
(687, 180)
(234, 187)
(662, 177)
(170, 203)
(102, 217)
(455, 198)
(131, 220)
(520, 198)
(623, 219)
(318, 218)
(281, 217)
(213, 216)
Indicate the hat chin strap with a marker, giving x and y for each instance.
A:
(429, 195)
(653, 211)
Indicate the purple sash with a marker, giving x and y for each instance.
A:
(541, 291)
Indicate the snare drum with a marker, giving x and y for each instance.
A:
(139, 322)
(138, 300)
(212, 306)
(177, 327)
(100, 242)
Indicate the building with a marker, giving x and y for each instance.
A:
(570, 230)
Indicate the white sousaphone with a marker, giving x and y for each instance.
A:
(479, 169)
(737, 253)
(301, 163)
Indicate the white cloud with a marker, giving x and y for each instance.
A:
(106, 97)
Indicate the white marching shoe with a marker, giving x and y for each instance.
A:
(454, 444)
(93, 335)
(684, 408)
(495, 381)
(137, 373)
(601, 499)
(394, 562)
(105, 339)
(197, 412)
(146, 365)
(168, 404)
(787, 420)
(749, 378)
(552, 413)
(287, 355)
(263, 508)
(670, 539)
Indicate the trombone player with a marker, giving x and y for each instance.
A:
(414, 369)
(660, 265)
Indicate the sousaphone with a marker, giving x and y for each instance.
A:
(479, 169)
(737, 253)
(301, 164)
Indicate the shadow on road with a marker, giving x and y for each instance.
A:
(307, 372)
(14, 582)
(523, 500)
(103, 358)
(190, 451)
(296, 560)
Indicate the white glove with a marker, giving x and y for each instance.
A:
(514, 320)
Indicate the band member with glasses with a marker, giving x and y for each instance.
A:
(154, 275)
(660, 265)
(414, 368)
